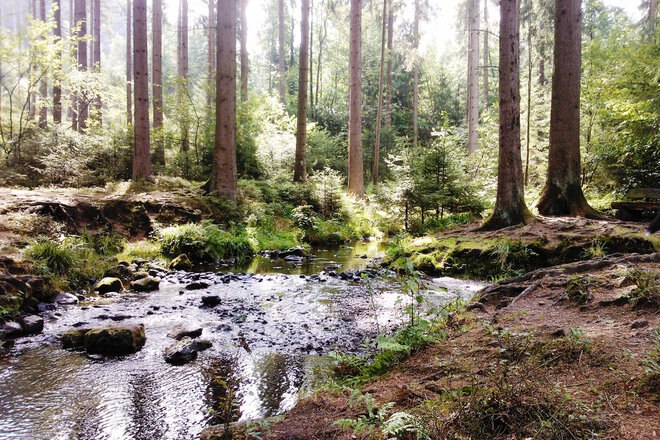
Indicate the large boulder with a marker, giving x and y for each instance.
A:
(183, 330)
(74, 338)
(32, 324)
(108, 284)
(184, 351)
(182, 262)
(115, 341)
(146, 284)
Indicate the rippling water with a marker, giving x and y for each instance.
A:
(287, 322)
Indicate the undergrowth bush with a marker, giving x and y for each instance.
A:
(205, 242)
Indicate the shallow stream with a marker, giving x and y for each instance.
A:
(271, 335)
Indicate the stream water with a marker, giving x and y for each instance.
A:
(271, 335)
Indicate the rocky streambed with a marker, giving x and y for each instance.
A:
(256, 339)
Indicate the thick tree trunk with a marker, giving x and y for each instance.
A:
(473, 76)
(141, 148)
(388, 76)
(355, 161)
(245, 60)
(486, 59)
(96, 52)
(300, 168)
(157, 80)
(183, 74)
(43, 84)
(379, 111)
(224, 159)
(562, 194)
(280, 52)
(510, 208)
(529, 98)
(81, 20)
(210, 33)
(415, 97)
(129, 62)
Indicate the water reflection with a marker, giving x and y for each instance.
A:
(223, 379)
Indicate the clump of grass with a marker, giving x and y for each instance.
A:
(512, 255)
(647, 292)
(140, 250)
(650, 382)
(205, 242)
(51, 256)
(596, 249)
(578, 289)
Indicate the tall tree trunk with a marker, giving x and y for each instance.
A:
(141, 155)
(43, 84)
(183, 92)
(157, 79)
(300, 168)
(319, 57)
(652, 19)
(32, 112)
(510, 208)
(355, 161)
(486, 60)
(210, 93)
(529, 96)
(57, 88)
(311, 57)
(224, 159)
(81, 20)
(96, 54)
(415, 97)
(129, 62)
(245, 61)
(388, 76)
(473, 76)
(379, 111)
(280, 52)
(562, 194)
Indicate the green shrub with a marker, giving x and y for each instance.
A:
(647, 292)
(145, 249)
(205, 242)
(51, 256)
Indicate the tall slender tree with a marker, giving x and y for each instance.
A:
(80, 13)
(379, 111)
(280, 52)
(57, 88)
(355, 160)
(43, 83)
(415, 97)
(141, 147)
(510, 208)
(129, 62)
(184, 83)
(245, 63)
(388, 76)
(300, 168)
(562, 194)
(96, 52)
(486, 59)
(652, 19)
(224, 158)
(210, 33)
(473, 75)
(157, 79)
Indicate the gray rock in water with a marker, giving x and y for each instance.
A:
(146, 284)
(11, 329)
(115, 341)
(108, 284)
(74, 338)
(197, 285)
(184, 351)
(32, 324)
(185, 330)
(65, 298)
(211, 300)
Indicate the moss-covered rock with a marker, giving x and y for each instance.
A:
(115, 341)
(74, 338)
(182, 262)
(108, 284)
(146, 284)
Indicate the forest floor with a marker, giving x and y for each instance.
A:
(582, 360)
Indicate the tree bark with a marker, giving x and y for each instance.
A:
(486, 59)
(562, 194)
(280, 51)
(245, 60)
(510, 208)
(415, 97)
(388, 76)
(300, 168)
(224, 159)
(96, 53)
(355, 161)
(43, 84)
(157, 80)
(379, 111)
(473, 76)
(529, 97)
(129, 63)
(183, 74)
(210, 93)
(32, 111)
(652, 19)
(80, 13)
(141, 148)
